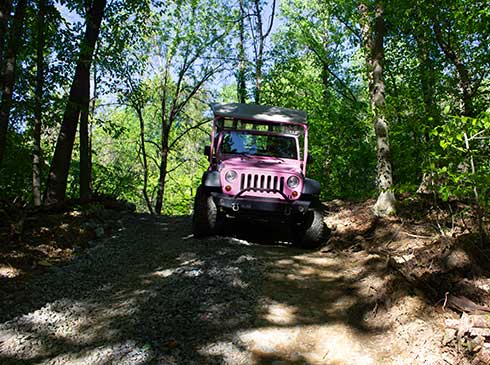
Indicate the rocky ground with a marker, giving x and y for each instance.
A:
(146, 292)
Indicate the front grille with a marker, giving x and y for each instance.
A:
(261, 182)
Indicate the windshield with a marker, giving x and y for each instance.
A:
(235, 142)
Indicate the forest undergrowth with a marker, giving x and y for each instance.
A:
(35, 239)
(435, 250)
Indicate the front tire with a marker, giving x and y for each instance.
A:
(205, 217)
(311, 230)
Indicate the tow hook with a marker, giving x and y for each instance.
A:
(235, 207)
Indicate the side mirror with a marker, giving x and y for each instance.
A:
(309, 159)
(207, 150)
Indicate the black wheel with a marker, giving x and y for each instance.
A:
(205, 217)
(311, 231)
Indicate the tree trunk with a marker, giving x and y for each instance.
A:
(84, 141)
(259, 53)
(92, 118)
(165, 136)
(163, 175)
(241, 82)
(5, 8)
(145, 160)
(465, 84)
(427, 83)
(325, 72)
(8, 73)
(373, 46)
(58, 174)
(259, 49)
(171, 108)
(36, 155)
(427, 75)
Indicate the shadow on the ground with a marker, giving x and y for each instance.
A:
(156, 295)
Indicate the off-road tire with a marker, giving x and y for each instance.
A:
(205, 217)
(311, 231)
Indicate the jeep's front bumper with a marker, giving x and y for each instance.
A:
(237, 205)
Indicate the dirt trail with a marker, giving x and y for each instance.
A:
(323, 309)
(152, 294)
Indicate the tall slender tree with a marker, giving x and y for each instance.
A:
(186, 67)
(38, 106)
(58, 174)
(85, 193)
(137, 99)
(91, 125)
(8, 73)
(5, 8)
(259, 37)
(242, 58)
(467, 86)
(372, 42)
(172, 106)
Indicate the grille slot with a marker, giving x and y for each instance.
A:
(260, 182)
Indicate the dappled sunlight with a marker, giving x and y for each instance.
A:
(226, 352)
(281, 314)
(33, 329)
(216, 301)
(323, 290)
(326, 344)
(9, 272)
(163, 273)
(339, 305)
(84, 330)
(127, 352)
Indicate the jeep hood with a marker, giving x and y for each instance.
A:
(246, 162)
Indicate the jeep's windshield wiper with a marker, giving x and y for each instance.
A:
(280, 160)
(275, 158)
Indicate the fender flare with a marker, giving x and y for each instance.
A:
(311, 187)
(210, 179)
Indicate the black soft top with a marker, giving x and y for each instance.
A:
(259, 113)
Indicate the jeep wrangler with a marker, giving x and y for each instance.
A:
(257, 170)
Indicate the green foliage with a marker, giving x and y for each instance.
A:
(116, 169)
(321, 83)
(462, 166)
(15, 174)
(154, 51)
(340, 135)
(118, 166)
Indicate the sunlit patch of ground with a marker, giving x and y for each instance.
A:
(327, 344)
(7, 271)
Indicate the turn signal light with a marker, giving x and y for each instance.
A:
(227, 188)
(294, 194)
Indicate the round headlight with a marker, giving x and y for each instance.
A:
(293, 181)
(230, 175)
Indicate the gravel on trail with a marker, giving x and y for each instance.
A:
(152, 294)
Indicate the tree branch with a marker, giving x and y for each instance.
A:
(351, 95)
(159, 149)
(271, 20)
(187, 131)
(176, 167)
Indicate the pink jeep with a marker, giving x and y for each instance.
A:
(257, 169)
